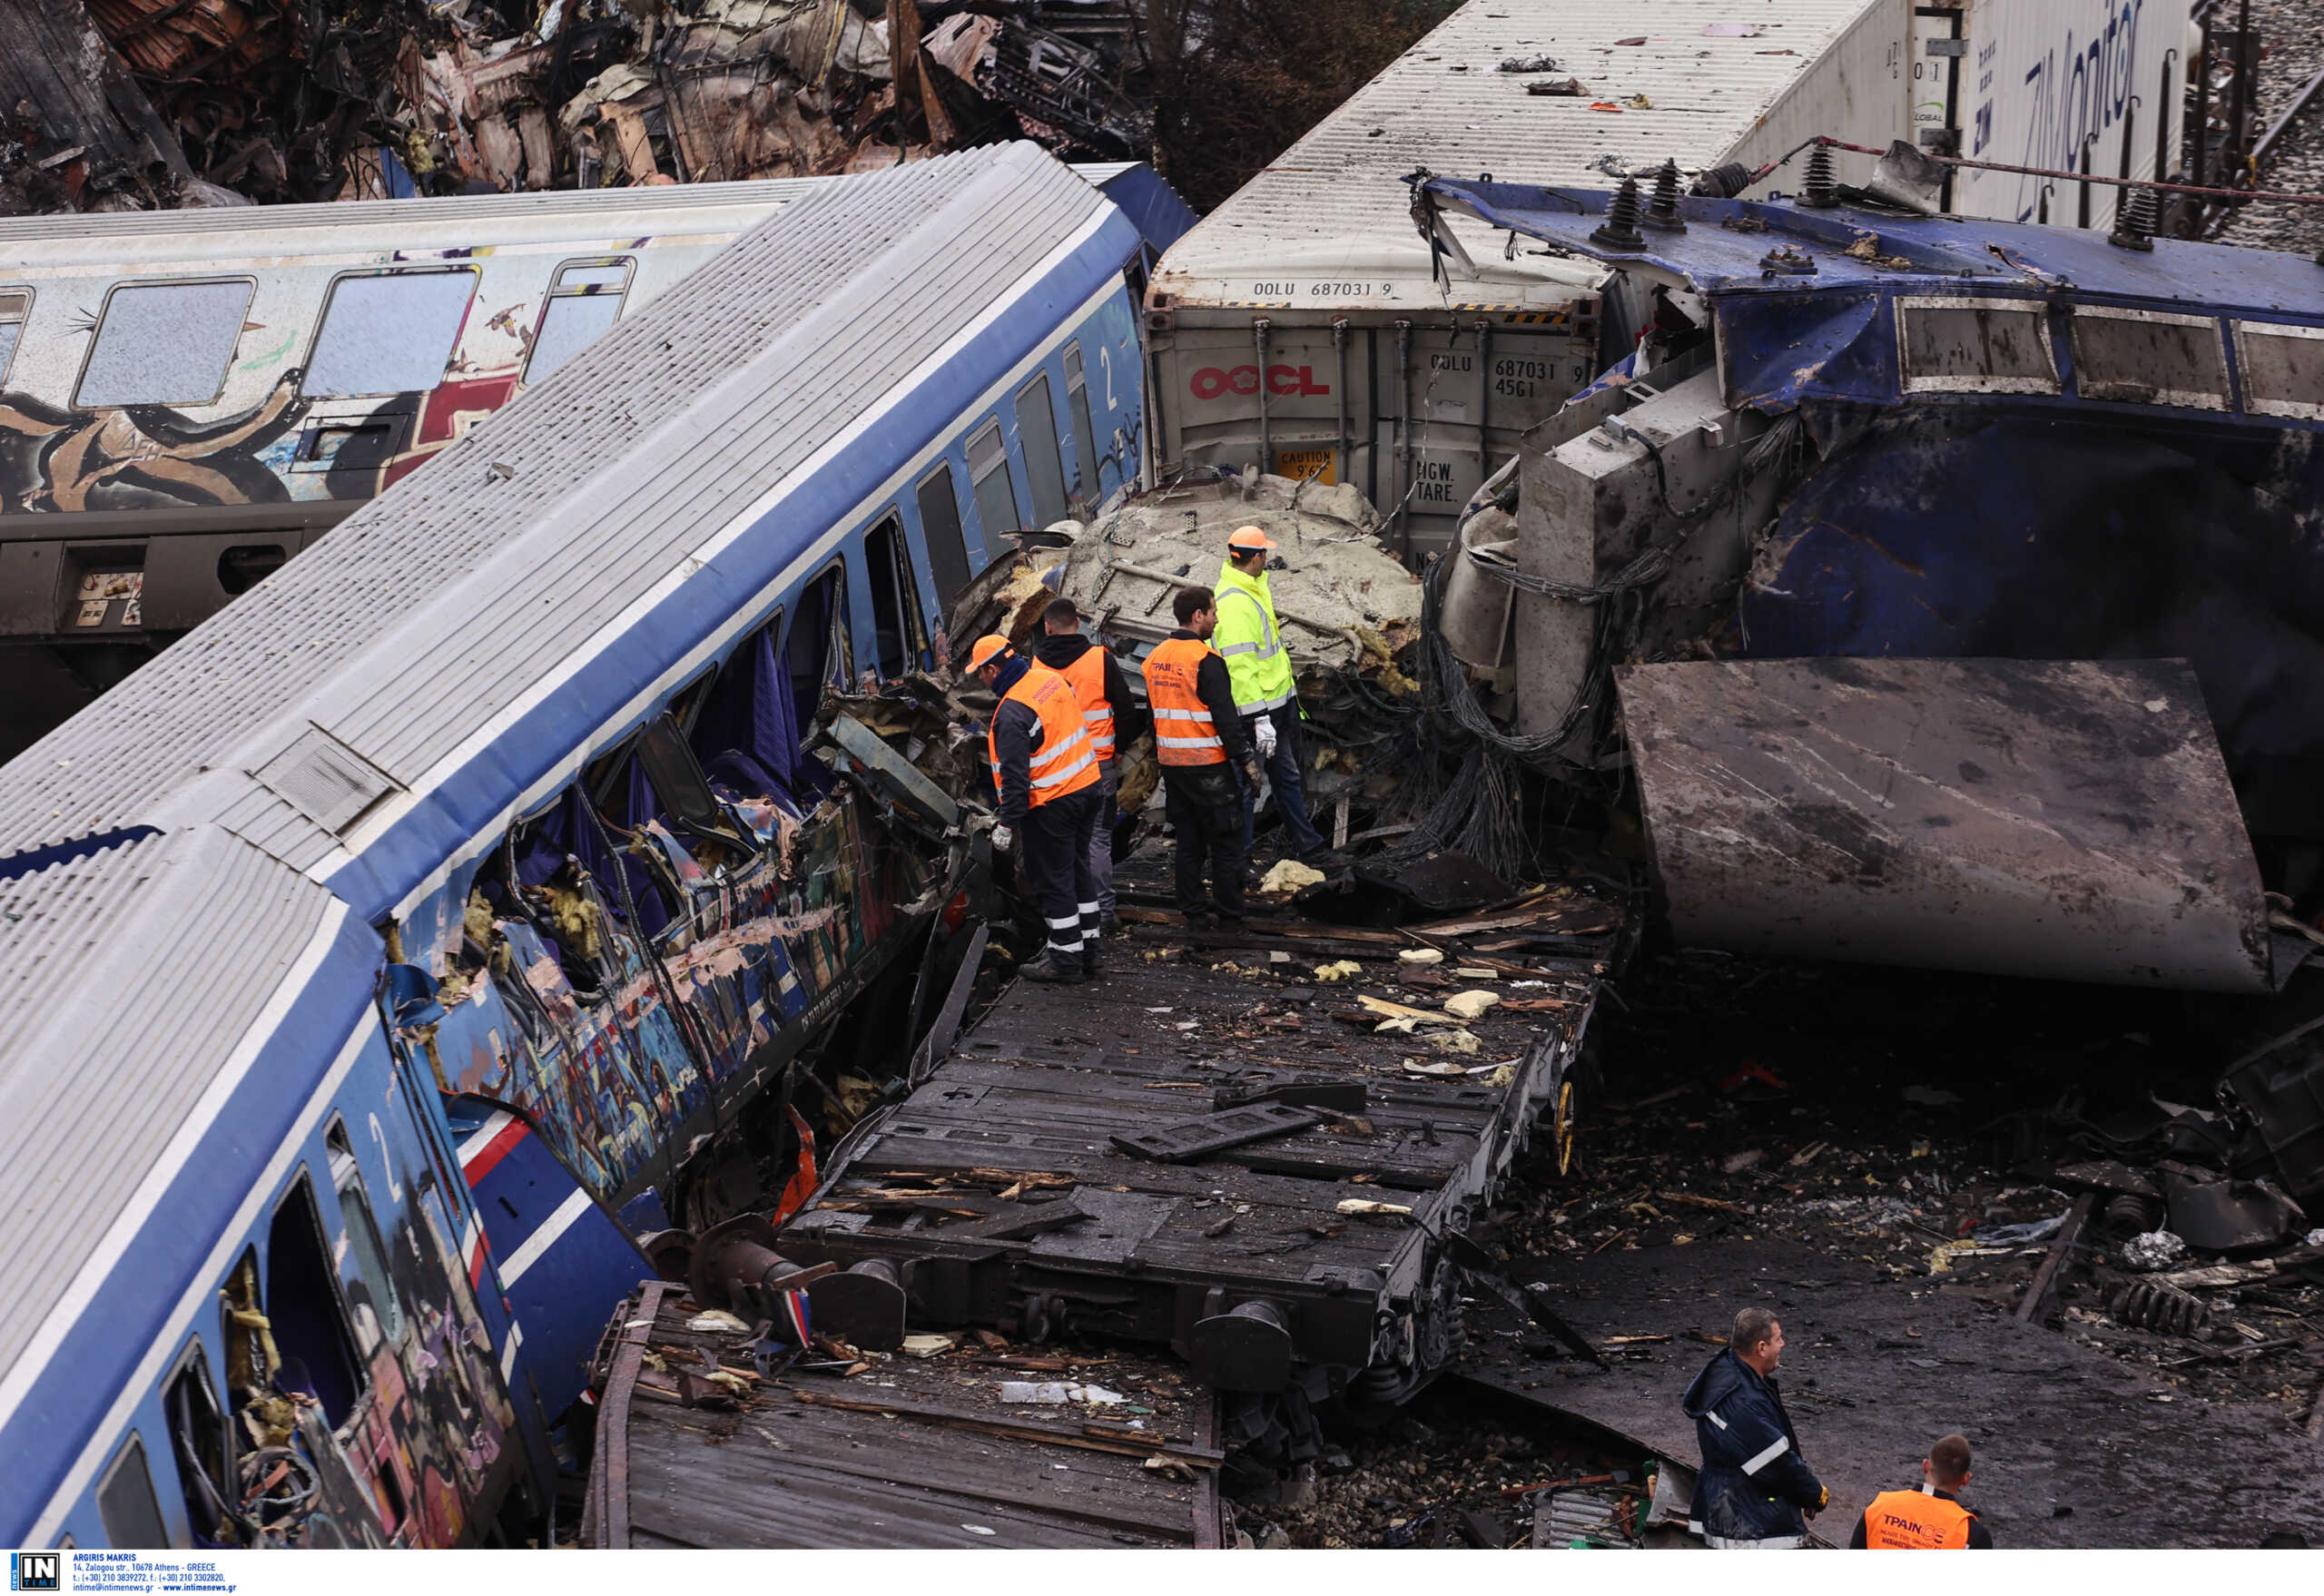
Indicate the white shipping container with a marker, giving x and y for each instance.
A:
(1424, 386)
(1298, 326)
(2073, 85)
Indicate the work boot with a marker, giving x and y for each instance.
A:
(1053, 966)
(1110, 924)
(1091, 969)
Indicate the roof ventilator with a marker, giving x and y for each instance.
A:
(1662, 215)
(1823, 189)
(2136, 221)
(1619, 230)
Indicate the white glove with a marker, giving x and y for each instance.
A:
(1003, 839)
(1264, 731)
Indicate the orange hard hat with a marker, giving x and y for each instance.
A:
(988, 648)
(1249, 537)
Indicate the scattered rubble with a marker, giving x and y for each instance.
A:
(149, 103)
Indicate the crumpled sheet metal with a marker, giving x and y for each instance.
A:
(1342, 598)
(2064, 820)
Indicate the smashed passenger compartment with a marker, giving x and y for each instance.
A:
(1853, 433)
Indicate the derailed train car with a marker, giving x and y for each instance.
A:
(383, 957)
(190, 398)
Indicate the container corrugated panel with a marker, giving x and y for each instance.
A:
(128, 978)
(1336, 198)
(440, 602)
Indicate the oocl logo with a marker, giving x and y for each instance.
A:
(1282, 381)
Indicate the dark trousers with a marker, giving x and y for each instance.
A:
(1206, 810)
(1286, 779)
(1056, 856)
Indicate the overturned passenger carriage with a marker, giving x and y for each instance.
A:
(384, 958)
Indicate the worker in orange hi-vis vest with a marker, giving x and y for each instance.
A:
(1046, 773)
(1930, 1519)
(1200, 743)
(1113, 720)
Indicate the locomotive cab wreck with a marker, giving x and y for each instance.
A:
(1854, 433)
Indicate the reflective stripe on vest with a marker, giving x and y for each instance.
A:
(1259, 667)
(1182, 731)
(1915, 1521)
(1065, 762)
(1087, 677)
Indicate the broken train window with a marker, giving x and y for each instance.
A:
(14, 304)
(389, 333)
(202, 1441)
(746, 732)
(164, 343)
(995, 496)
(821, 652)
(1037, 435)
(899, 634)
(2282, 369)
(2149, 358)
(583, 300)
(314, 1346)
(1969, 345)
(377, 1311)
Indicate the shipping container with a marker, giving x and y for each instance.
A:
(2073, 85)
(1301, 326)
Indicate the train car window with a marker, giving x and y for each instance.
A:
(14, 303)
(940, 523)
(2149, 357)
(388, 334)
(1037, 430)
(899, 637)
(1084, 441)
(126, 1504)
(164, 343)
(820, 650)
(372, 1293)
(995, 496)
(1961, 345)
(201, 1442)
(304, 1312)
(584, 301)
(2283, 369)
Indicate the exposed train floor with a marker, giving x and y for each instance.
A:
(998, 1196)
(908, 1452)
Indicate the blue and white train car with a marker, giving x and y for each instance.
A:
(467, 885)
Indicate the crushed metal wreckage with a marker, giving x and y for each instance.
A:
(138, 105)
(1947, 588)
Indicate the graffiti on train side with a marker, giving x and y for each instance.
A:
(141, 456)
(279, 450)
(567, 1015)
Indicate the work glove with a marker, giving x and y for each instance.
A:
(1262, 729)
(1003, 840)
(1251, 774)
(1823, 1500)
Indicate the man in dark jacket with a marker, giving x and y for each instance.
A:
(1115, 719)
(1201, 743)
(1754, 1486)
